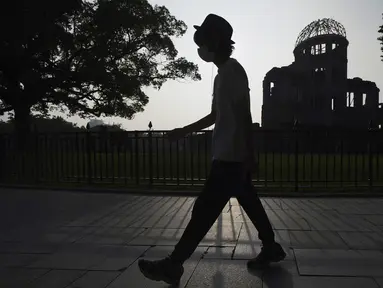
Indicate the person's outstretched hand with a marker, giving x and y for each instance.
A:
(176, 134)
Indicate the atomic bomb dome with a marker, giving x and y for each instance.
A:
(314, 90)
(325, 26)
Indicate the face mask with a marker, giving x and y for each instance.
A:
(205, 54)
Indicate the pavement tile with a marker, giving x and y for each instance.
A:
(379, 281)
(81, 261)
(19, 277)
(218, 235)
(111, 235)
(133, 278)
(374, 219)
(118, 258)
(223, 273)
(283, 220)
(324, 262)
(317, 239)
(95, 279)
(57, 279)
(248, 245)
(18, 260)
(284, 280)
(363, 240)
(28, 248)
(219, 253)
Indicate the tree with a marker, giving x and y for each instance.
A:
(381, 38)
(42, 124)
(90, 58)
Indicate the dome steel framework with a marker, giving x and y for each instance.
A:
(324, 26)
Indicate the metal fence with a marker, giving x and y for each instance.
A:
(287, 160)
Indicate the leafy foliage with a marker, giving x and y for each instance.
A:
(86, 57)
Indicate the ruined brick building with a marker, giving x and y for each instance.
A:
(314, 90)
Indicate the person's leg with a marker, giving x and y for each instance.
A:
(206, 210)
(254, 209)
(207, 207)
(271, 251)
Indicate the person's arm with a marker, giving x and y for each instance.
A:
(201, 124)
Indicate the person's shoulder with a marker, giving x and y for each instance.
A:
(235, 66)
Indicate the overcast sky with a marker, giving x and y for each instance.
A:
(265, 33)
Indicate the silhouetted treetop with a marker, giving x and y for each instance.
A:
(86, 57)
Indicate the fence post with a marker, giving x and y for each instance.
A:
(89, 156)
(136, 157)
(150, 138)
(37, 160)
(370, 173)
(296, 158)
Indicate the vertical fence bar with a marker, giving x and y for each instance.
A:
(112, 149)
(88, 166)
(281, 160)
(157, 159)
(191, 160)
(77, 149)
(265, 151)
(119, 142)
(296, 153)
(273, 164)
(370, 174)
(185, 159)
(178, 162)
(198, 157)
(136, 157)
(126, 141)
(57, 157)
(341, 162)
(150, 148)
(326, 159)
(206, 155)
(356, 170)
(164, 157)
(311, 139)
(132, 157)
(144, 176)
(171, 161)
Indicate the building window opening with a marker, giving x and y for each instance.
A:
(323, 48)
(364, 99)
(332, 104)
(350, 99)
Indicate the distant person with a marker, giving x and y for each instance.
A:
(233, 158)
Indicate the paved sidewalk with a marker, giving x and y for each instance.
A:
(62, 239)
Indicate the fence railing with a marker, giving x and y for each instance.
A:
(292, 160)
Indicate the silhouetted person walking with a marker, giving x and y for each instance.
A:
(233, 158)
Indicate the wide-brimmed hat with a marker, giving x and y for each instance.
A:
(213, 26)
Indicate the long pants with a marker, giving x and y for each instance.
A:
(226, 180)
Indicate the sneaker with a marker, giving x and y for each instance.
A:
(269, 254)
(162, 270)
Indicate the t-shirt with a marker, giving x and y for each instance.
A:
(231, 101)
